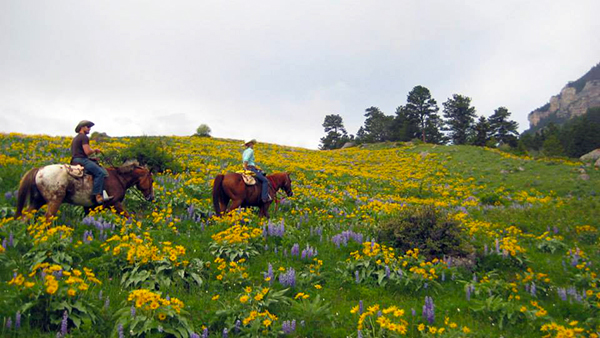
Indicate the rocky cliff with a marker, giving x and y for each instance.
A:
(574, 100)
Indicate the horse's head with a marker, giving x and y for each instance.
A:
(287, 185)
(144, 182)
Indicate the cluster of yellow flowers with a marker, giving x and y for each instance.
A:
(75, 279)
(374, 249)
(237, 234)
(231, 268)
(142, 250)
(42, 232)
(391, 318)
(148, 300)
(560, 331)
(585, 228)
(265, 317)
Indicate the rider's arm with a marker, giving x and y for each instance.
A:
(245, 165)
(89, 151)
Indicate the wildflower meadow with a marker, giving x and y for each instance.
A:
(523, 262)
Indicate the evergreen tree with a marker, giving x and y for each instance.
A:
(403, 127)
(482, 132)
(420, 109)
(503, 129)
(377, 126)
(460, 117)
(336, 133)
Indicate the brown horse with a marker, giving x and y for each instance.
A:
(231, 186)
(53, 185)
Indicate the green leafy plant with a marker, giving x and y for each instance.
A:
(427, 228)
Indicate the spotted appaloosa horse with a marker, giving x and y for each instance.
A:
(53, 185)
(231, 186)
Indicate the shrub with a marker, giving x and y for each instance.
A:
(429, 229)
(203, 131)
(148, 151)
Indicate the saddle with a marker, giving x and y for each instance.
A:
(76, 171)
(247, 176)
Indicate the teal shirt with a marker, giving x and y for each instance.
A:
(248, 156)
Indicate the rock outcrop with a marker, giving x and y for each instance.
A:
(574, 100)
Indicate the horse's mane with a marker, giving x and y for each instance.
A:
(128, 166)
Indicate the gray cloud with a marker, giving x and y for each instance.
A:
(272, 70)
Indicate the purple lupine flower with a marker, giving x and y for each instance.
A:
(443, 276)
(497, 246)
(120, 330)
(133, 311)
(64, 324)
(289, 327)
(360, 307)
(8, 195)
(359, 334)
(194, 335)
(357, 277)
(387, 272)
(288, 278)
(309, 252)
(400, 273)
(160, 329)
(533, 289)
(238, 324)
(18, 320)
(562, 293)
(11, 239)
(413, 311)
(9, 323)
(225, 334)
(4, 243)
(429, 310)
(205, 333)
(295, 250)
(470, 288)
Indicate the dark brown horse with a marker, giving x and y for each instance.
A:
(231, 186)
(53, 185)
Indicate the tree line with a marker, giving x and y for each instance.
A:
(420, 119)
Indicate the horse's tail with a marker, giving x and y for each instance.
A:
(27, 188)
(217, 193)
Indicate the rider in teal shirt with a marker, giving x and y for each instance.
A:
(249, 164)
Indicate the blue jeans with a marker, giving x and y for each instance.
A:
(263, 180)
(97, 172)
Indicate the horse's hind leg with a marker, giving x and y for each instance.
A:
(53, 207)
(235, 204)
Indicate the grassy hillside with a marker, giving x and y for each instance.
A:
(317, 268)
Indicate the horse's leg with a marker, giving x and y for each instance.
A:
(266, 209)
(53, 207)
(235, 204)
(223, 202)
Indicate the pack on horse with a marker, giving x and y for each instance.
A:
(231, 187)
(59, 183)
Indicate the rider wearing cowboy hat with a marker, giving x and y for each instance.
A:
(80, 152)
(249, 164)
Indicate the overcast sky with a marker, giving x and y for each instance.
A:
(272, 70)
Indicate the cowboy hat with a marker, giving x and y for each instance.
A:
(250, 141)
(83, 123)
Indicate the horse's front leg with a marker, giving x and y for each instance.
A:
(235, 203)
(264, 209)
